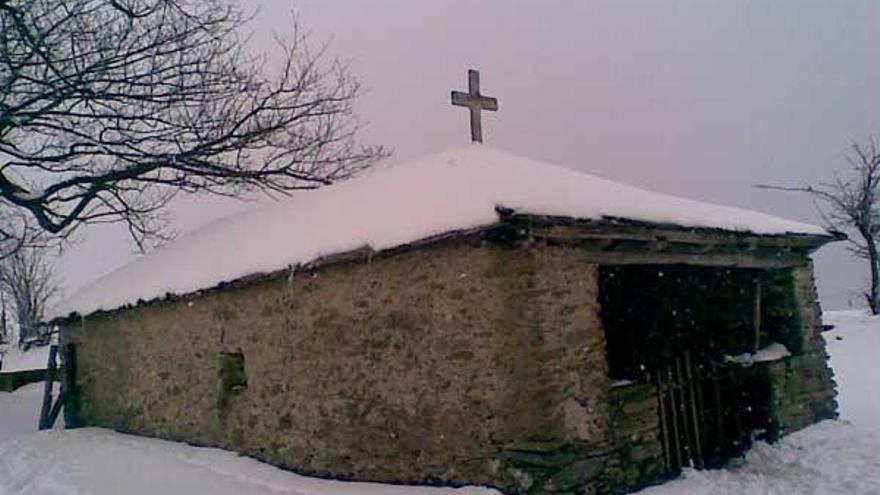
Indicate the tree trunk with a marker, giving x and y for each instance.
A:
(874, 295)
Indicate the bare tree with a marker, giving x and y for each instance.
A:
(27, 283)
(108, 108)
(851, 203)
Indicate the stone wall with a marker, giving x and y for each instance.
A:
(802, 385)
(458, 363)
(635, 434)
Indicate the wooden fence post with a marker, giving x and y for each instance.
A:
(68, 387)
(47, 390)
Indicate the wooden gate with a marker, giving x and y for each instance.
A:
(707, 412)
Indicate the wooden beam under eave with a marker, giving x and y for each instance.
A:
(629, 252)
(671, 258)
(562, 228)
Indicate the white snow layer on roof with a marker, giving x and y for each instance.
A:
(391, 206)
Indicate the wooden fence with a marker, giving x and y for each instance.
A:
(12, 380)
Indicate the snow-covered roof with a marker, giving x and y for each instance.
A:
(392, 206)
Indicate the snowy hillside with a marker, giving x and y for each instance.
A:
(450, 191)
(833, 457)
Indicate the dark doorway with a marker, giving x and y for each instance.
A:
(672, 326)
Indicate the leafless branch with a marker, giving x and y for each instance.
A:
(851, 203)
(108, 108)
(27, 283)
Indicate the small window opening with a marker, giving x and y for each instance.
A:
(233, 378)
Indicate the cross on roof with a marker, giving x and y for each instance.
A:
(475, 102)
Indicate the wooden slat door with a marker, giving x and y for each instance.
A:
(701, 413)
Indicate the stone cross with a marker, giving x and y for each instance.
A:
(475, 102)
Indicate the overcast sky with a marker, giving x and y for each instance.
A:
(696, 98)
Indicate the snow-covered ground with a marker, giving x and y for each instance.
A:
(97, 461)
(18, 416)
(830, 458)
(833, 457)
(854, 347)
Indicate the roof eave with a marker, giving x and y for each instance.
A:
(624, 228)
